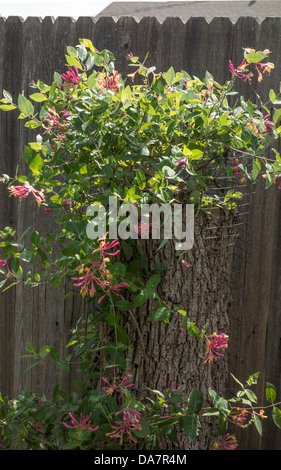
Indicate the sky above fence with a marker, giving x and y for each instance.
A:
(53, 8)
(63, 7)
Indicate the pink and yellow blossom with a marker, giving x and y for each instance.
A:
(228, 442)
(131, 419)
(24, 190)
(215, 342)
(182, 162)
(185, 265)
(117, 385)
(71, 77)
(83, 423)
(110, 83)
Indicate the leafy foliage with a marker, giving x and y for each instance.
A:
(151, 138)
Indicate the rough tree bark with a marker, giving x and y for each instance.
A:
(166, 351)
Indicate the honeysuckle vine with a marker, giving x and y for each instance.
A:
(145, 138)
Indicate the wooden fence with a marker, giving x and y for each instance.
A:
(33, 49)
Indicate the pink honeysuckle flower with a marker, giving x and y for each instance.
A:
(71, 77)
(172, 386)
(4, 264)
(104, 246)
(97, 274)
(114, 289)
(238, 72)
(182, 162)
(88, 280)
(48, 210)
(185, 265)
(215, 342)
(228, 442)
(269, 125)
(67, 203)
(267, 67)
(54, 121)
(234, 164)
(24, 191)
(142, 228)
(131, 419)
(83, 423)
(110, 83)
(65, 114)
(241, 416)
(116, 386)
(37, 427)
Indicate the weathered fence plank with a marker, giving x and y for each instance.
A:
(33, 49)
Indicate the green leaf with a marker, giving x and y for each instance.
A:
(32, 124)
(251, 395)
(140, 299)
(255, 57)
(277, 115)
(15, 264)
(168, 172)
(44, 351)
(195, 401)
(63, 366)
(7, 96)
(258, 425)
(38, 97)
(122, 335)
(36, 164)
(276, 416)
(191, 425)
(112, 405)
(141, 180)
(124, 305)
(158, 87)
(144, 430)
(252, 380)
(153, 281)
(161, 314)
(7, 107)
(175, 398)
(236, 380)
(272, 96)
(72, 248)
(270, 392)
(222, 425)
(30, 347)
(25, 106)
(54, 353)
(35, 238)
(169, 76)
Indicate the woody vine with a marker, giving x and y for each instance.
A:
(142, 139)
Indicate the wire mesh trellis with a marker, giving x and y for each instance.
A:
(225, 238)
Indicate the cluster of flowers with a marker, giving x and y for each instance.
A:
(55, 123)
(98, 274)
(129, 422)
(71, 77)
(244, 417)
(239, 71)
(83, 423)
(228, 442)
(215, 342)
(23, 191)
(4, 265)
(117, 385)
